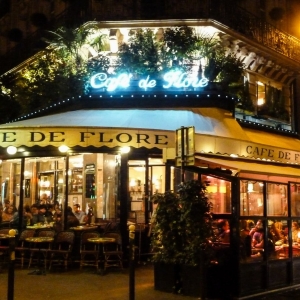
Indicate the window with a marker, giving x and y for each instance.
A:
(219, 194)
(277, 204)
(251, 198)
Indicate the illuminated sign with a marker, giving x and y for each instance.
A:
(172, 79)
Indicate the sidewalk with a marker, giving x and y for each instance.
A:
(84, 285)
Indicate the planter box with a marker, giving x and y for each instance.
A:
(165, 277)
(181, 279)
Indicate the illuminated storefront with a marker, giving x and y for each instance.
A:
(116, 147)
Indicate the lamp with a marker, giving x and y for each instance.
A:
(250, 187)
(63, 148)
(211, 189)
(125, 149)
(222, 189)
(11, 150)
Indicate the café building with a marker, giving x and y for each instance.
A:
(111, 150)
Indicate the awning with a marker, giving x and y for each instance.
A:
(250, 166)
(118, 127)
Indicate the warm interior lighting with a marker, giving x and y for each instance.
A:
(125, 149)
(212, 189)
(222, 189)
(11, 150)
(63, 148)
(250, 187)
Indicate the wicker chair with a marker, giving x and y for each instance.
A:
(89, 252)
(62, 248)
(112, 252)
(22, 245)
(4, 247)
(41, 248)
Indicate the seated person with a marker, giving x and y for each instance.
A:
(40, 217)
(224, 231)
(258, 238)
(295, 232)
(275, 233)
(7, 215)
(72, 221)
(79, 214)
(258, 225)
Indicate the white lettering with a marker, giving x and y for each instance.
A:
(175, 79)
(182, 80)
(147, 83)
(100, 80)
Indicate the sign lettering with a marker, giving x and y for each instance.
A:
(172, 79)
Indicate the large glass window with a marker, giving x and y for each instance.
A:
(277, 204)
(295, 199)
(218, 193)
(251, 198)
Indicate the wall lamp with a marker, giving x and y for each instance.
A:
(125, 149)
(11, 150)
(63, 148)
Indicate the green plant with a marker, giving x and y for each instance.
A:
(140, 55)
(183, 224)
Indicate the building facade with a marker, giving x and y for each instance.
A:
(128, 138)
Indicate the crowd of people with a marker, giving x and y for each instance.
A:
(43, 213)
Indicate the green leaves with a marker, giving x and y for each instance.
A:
(183, 224)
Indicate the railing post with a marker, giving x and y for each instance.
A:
(11, 266)
(131, 262)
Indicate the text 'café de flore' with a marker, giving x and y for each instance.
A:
(129, 138)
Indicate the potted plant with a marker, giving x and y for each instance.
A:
(181, 237)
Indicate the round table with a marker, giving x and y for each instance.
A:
(102, 241)
(39, 240)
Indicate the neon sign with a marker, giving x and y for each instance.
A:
(172, 79)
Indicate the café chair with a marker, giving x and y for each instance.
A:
(23, 246)
(36, 249)
(62, 248)
(4, 247)
(112, 252)
(89, 252)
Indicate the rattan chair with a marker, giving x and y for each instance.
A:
(22, 245)
(62, 248)
(36, 249)
(4, 247)
(112, 252)
(89, 252)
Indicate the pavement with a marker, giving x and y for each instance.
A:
(86, 284)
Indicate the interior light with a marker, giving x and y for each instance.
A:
(11, 150)
(125, 149)
(63, 148)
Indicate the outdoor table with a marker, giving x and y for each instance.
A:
(39, 241)
(84, 227)
(78, 230)
(101, 241)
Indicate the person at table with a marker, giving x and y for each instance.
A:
(79, 214)
(8, 214)
(6, 205)
(27, 218)
(72, 221)
(275, 232)
(40, 217)
(224, 231)
(295, 232)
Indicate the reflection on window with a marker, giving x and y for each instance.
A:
(277, 199)
(295, 199)
(219, 194)
(251, 198)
